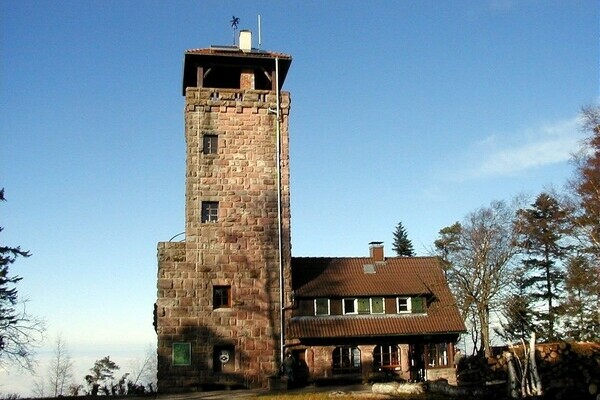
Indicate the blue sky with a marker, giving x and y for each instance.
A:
(412, 111)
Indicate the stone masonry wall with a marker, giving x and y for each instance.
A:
(240, 249)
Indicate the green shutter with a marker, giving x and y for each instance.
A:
(364, 306)
(322, 307)
(417, 305)
(377, 305)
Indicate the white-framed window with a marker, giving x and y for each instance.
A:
(403, 305)
(322, 306)
(350, 306)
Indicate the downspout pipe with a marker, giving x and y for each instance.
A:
(279, 217)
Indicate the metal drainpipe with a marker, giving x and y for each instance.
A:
(281, 294)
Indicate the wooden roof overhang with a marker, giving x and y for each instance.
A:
(232, 57)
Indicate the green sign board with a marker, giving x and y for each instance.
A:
(182, 354)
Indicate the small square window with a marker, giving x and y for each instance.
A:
(404, 304)
(221, 297)
(210, 211)
(350, 306)
(210, 144)
(182, 354)
(321, 306)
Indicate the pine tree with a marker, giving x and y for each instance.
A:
(516, 313)
(402, 245)
(582, 283)
(543, 229)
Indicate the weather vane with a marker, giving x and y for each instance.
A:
(234, 24)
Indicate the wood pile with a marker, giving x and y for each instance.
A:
(567, 370)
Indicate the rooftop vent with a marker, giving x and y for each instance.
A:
(376, 251)
(245, 41)
(369, 268)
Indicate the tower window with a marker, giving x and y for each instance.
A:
(221, 297)
(210, 211)
(210, 144)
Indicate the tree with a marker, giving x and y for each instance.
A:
(477, 255)
(60, 370)
(586, 184)
(580, 309)
(143, 375)
(543, 232)
(402, 245)
(102, 376)
(19, 332)
(516, 312)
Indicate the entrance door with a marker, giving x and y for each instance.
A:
(301, 370)
(417, 362)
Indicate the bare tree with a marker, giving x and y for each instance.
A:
(144, 373)
(60, 370)
(477, 255)
(585, 185)
(20, 332)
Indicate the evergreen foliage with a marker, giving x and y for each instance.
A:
(402, 244)
(517, 322)
(543, 232)
(580, 309)
(102, 376)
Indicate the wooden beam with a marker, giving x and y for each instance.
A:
(199, 76)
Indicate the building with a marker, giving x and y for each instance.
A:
(372, 318)
(231, 300)
(218, 312)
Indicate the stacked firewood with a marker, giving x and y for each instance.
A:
(566, 370)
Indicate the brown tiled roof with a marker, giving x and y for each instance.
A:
(339, 277)
(434, 322)
(332, 277)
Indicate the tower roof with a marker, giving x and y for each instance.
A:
(232, 56)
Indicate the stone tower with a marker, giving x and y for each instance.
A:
(222, 290)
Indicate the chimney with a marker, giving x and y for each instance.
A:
(245, 41)
(376, 251)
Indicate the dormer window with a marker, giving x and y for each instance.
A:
(350, 306)
(322, 306)
(414, 305)
(403, 305)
